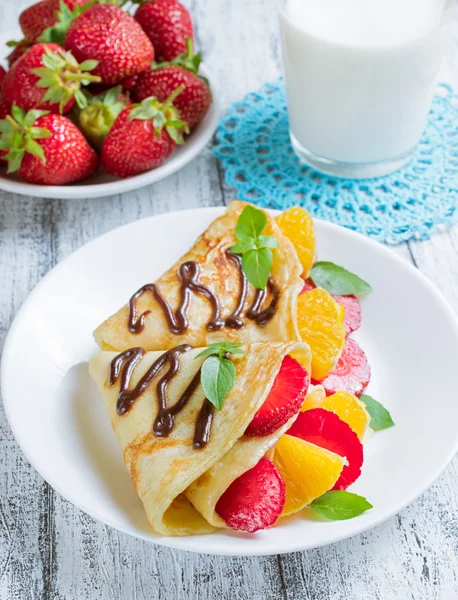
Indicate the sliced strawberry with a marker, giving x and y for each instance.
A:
(350, 303)
(352, 372)
(352, 312)
(254, 500)
(284, 400)
(325, 429)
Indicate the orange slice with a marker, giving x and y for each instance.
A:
(321, 324)
(315, 397)
(297, 224)
(307, 470)
(349, 409)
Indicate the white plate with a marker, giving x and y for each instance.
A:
(409, 332)
(102, 184)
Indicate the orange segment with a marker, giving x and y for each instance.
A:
(307, 470)
(297, 224)
(349, 409)
(315, 397)
(321, 324)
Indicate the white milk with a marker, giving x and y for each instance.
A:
(360, 76)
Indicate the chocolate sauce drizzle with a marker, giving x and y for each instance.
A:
(125, 363)
(178, 322)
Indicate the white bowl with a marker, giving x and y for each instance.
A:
(102, 184)
(409, 333)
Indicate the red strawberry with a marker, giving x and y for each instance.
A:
(142, 137)
(35, 19)
(325, 429)
(43, 15)
(352, 312)
(284, 400)
(71, 4)
(97, 119)
(308, 285)
(19, 49)
(129, 83)
(45, 148)
(352, 372)
(193, 102)
(350, 303)
(2, 74)
(111, 36)
(48, 78)
(168, 25)
(254, 500)
(4, 108)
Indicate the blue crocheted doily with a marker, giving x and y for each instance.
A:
(415, 202)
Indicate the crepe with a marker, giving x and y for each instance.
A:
(178, 484)
(144, 323)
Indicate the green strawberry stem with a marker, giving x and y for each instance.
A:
(62, 77)
(162, 115)
(13, 43)
(71, 76)
(188, 60)
(18, 136)
(168, 103)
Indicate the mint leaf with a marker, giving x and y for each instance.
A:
(243, 246)
(250, 224)
(257, 265)
(337, 280)
(217, 377)
(380, 417)
(340, 505)
(220, 348)
(267, 241)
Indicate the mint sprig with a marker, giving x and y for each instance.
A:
(380, 417)
(338, 505)
(217, 374)
(337, 280)
(255, 249)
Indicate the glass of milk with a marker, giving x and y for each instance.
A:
(360, 77)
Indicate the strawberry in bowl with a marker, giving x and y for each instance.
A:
(74, 51)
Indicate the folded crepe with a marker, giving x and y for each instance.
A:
(181, 453)
(205, 297)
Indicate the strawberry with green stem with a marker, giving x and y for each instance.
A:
(97, 119)
(47, 14)
(143, 137)
(168, 25)
(48, 78)
(45, 148)
(2, 75)
(195, 100)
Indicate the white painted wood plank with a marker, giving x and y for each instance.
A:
(25, 511)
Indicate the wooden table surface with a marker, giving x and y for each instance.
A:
(51, 550)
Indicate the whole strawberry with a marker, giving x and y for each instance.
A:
(35, 19)
(48, 78)
(143, 137)
(19, 49)
(97, 119)
(194, 101)
(39, 17)
(168, 25)
(2, 75)
(45, 149)
(111, 36)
